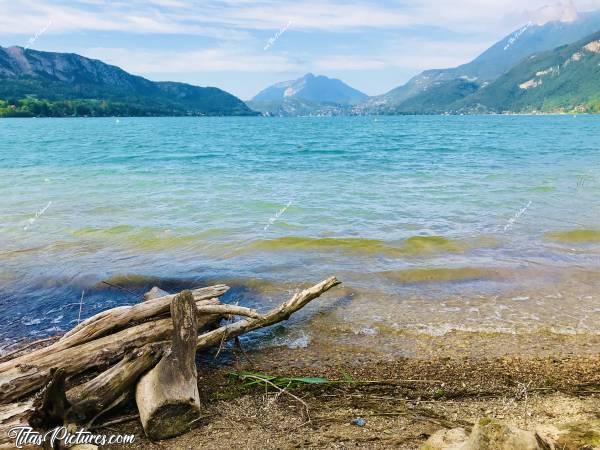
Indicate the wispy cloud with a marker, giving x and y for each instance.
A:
(418, 54)
(190, 17)
(178, 38)
(350, 62)
(208, 60)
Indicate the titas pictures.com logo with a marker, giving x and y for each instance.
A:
(26, 436)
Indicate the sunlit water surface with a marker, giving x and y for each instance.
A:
(434, 224)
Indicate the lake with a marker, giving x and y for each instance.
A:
(435, 225)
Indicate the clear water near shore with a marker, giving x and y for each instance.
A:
(435, 224)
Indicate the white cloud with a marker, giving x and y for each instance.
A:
(411, 54)
(29, 15)
(350, 62)
(425, 54)
(415, 54)
(564, 12)
(206, 60)
(217, 18)
(313, 15)
(444, 34)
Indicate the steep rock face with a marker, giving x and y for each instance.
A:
(67, 76)
(65, 67)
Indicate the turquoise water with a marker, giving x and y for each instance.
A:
(408, 211)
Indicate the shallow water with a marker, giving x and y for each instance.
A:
(435, 224)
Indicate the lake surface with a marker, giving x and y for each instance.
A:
(487, 224)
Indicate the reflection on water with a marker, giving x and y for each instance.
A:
(436, 226)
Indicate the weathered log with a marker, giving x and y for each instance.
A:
(39, 342)
(118, 318)
(227, 310)
(167, 396)
(29, 372)
(155, 292)
(90, 399)
(282, 312)
(51, 406)
(13, 415)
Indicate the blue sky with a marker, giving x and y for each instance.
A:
(243, 46)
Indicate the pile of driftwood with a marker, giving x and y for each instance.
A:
(147, 349)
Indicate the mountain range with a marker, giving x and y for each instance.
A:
(547, 67)
(472, 87)
(310, 94)
(434, 91)
(35, 83)
(561, 80)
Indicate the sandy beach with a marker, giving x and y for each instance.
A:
(402, 402)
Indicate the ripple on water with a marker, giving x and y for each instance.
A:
(146, 238)
(402, 201)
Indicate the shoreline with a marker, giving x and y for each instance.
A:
(366, 392)
(403, 402)
(492, 311)
(522, 114)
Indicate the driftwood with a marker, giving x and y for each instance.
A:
(52, 405)
(85, 401)
(155, 292)
(279, 314)
(22, 375)
(12, 354)
(118, 318)
(129, 346)
(13, 415)
(29, 372)
(167, 396)
(90, 399)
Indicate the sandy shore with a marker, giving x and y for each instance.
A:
(402, 401)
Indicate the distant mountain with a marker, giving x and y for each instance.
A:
(439, 98)
(308, 95)
(566, 79)
(318, 89)
(34, 83)
(292, 107)
(433, 87)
